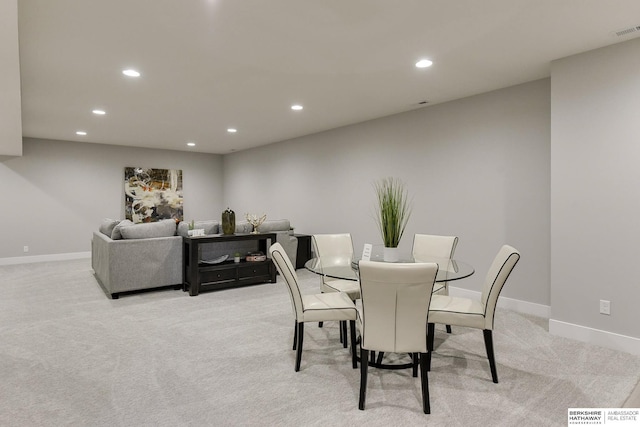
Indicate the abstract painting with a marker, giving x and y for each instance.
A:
(152, 194)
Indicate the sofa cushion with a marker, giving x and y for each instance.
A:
(115, 234)
(146, 230)
(243, 227)
(108, 225)
(210, 227)
(274, 225)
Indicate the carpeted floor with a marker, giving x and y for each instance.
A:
(71, 356)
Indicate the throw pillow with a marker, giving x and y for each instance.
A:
(147, 230)
(243, 227)
(107, 226)
(209, 226)
(115, 234)
(274, 225)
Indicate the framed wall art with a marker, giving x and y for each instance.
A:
(152, 194)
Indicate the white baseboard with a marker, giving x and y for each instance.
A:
(524, 307)
(562, 329)
(595, 336)
(44, 258)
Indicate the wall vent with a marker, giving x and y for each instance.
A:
(626, 31)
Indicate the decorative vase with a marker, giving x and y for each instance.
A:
(391, 254)
(228, 222)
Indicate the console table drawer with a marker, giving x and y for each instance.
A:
(220, 275)
(251, 270)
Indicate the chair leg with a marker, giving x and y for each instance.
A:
(320, 324)
(431, 330)
(299, 352)
(424, 379)
(448, 329)
(414, 356)
(352, 331)
(380, 357)
(343, 326)
(488, 343)
(364, 355)
(295, 334)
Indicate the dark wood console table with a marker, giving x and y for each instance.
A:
(197, 275)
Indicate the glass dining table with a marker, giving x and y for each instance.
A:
(347, 268)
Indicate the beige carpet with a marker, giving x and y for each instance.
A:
(71, 356)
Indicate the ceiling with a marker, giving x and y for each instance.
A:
(210, 65)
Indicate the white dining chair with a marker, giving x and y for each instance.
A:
(393, 318)
(428, 246)
(336, 249)
(313, 308)
(478, 314)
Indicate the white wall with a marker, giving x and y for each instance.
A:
(595, 197)
(477, 168)
(56, 194)
(10, 100)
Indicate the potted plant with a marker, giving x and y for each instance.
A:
(392, 214)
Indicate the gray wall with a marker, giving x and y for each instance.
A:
(478, 168)
(10, 101)
(595, 203)
(56, 194)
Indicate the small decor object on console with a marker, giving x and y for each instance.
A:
(256, 256)
(228, 222)
(255, 221)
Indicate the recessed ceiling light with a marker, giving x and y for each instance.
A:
(424, 63)
(99, 112)
(296, 107)
(131, 73)
(232, 130)
(191, 144)
(81, 133)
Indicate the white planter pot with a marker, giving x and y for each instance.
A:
(391, 254)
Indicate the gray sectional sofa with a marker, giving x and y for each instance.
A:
(128, 257)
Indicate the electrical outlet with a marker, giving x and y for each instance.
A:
(26, 249)
(605, 307)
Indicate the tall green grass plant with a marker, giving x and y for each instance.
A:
(393, 210)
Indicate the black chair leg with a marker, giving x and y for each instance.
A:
(299, 352)
(354, 356)
(364, 355)
(295, 335)
(320, 324)
(424, 379)
(488, 343)
(414, 356)
(448, 329)
(343, 326)
(431, 330)
(379, 357)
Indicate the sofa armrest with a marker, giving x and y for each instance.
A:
(125, 265)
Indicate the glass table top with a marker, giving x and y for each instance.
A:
(347, 268)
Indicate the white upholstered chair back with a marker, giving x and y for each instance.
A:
(395, 304)
(495, 279)
(335, 249)
(430, 245)
(288, 272)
